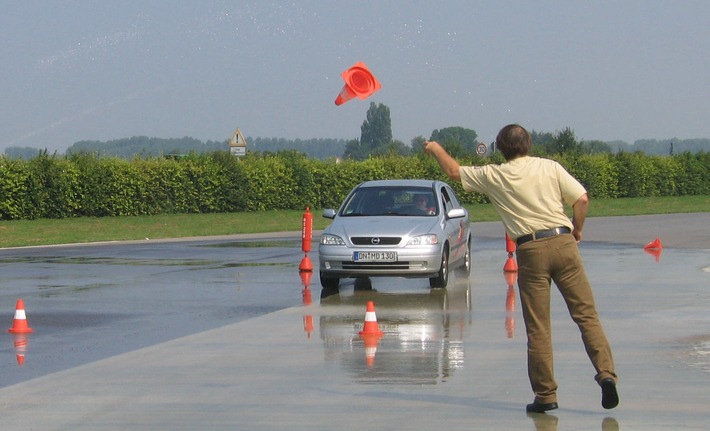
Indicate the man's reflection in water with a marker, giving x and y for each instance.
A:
(545, 422)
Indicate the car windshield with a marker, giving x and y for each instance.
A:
(391, 201)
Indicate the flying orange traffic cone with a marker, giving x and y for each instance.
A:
(370, 327)
(19, 325)
(359, 82)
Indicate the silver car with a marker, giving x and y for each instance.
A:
(396, 228)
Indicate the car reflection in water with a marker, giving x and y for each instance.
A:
(423, 333)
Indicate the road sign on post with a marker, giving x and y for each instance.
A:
(237, 144)
(481, 149)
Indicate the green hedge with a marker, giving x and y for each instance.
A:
(88, 185)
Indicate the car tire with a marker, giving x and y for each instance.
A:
(465, 269)
(442, 278)
(329, 282)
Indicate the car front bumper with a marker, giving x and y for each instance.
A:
(337, 261)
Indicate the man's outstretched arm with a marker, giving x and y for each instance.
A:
(447, 163)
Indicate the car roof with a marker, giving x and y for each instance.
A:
(400, 183)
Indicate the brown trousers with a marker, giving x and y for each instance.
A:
(557, 259)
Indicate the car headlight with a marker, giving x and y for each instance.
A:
(429, 239)
(328, 239)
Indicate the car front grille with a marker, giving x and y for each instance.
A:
(374, 266)
(378, 240)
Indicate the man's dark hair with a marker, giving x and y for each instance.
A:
(513, 141)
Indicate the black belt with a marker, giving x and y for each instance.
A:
(542, 234)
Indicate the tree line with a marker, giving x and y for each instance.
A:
(375, 140)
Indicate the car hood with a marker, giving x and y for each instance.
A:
(382, 226)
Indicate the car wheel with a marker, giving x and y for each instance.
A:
(329, 282)
(442, 278)
(465, 269)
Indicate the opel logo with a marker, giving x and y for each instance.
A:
(375, 241)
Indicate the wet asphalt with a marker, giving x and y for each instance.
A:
(225, 333)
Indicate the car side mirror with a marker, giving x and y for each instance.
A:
(329, 213)
(456, 213)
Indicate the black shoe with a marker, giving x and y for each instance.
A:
(536, 407)
(610, 398)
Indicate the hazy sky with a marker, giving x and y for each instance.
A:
(102, 70)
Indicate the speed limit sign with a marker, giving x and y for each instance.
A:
(481, 149)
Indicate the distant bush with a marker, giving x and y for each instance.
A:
(84, 184)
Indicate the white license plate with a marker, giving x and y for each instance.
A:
(375, 256)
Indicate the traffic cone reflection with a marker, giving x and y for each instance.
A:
(20, 341)
(307, 300)
(19, 324)
(371, 342)
(359, 82)
(510, 278)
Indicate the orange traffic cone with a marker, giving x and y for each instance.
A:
(306, 264)
(19, 325)
(653, 245)
(359, 82)
(370, 327)
(510, 264)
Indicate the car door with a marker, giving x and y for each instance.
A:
(456, 228)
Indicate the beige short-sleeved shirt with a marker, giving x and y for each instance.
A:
(529, 193)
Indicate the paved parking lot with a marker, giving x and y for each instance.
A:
(453, 359)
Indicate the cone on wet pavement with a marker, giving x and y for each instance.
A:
(19, 324)
(510, 264)
(306, 264)
(371, 327)
(654, 245)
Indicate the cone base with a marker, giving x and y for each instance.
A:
(306, 265)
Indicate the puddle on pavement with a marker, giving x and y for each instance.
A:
(422, 334)
(696, 352)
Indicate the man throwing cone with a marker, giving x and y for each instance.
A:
(529, 194)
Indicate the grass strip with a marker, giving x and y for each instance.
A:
(17, 233)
